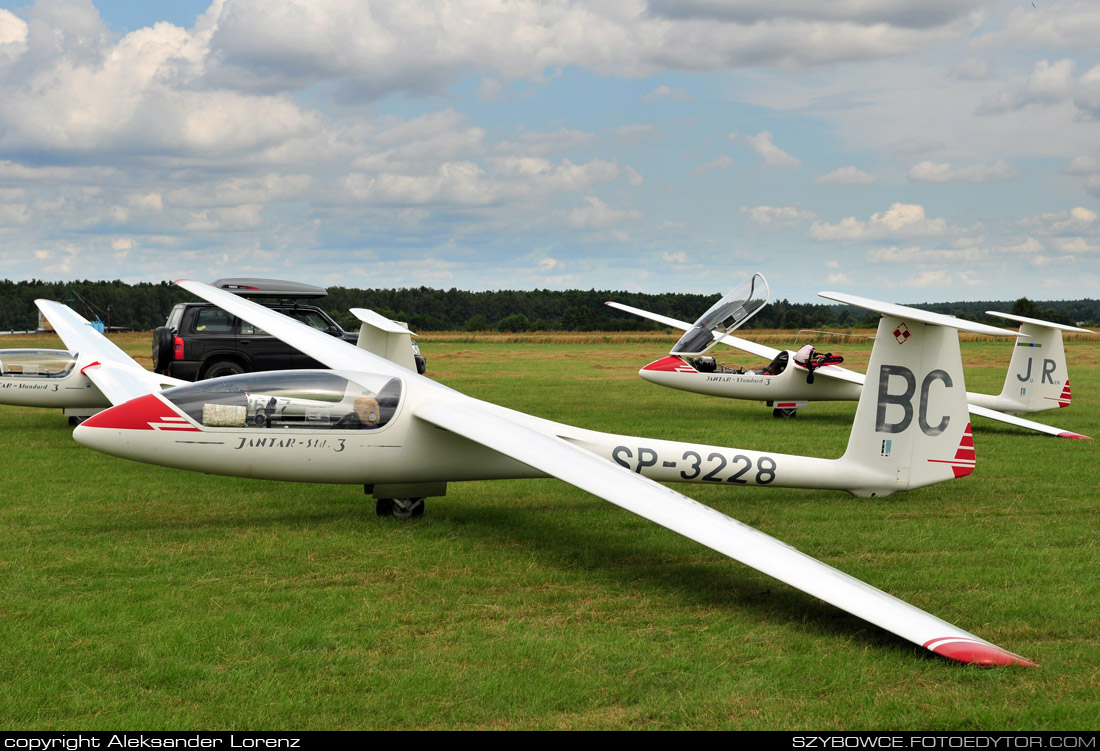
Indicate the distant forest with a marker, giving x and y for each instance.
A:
(145, 306)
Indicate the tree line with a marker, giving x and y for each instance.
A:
(145, 306)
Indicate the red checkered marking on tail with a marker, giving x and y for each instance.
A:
(902, 333)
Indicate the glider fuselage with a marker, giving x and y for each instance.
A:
(45, 378)
(789, 385)
(359, 428)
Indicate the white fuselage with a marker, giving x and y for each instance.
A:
(790, 385)
(409, 450)
(45, 378)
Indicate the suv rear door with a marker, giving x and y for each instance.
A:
(215, 331)
(318, 321)
(263, 350)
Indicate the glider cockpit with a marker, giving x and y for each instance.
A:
(726, 315)
(36, 363)
(303, 399)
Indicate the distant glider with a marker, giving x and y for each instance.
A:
(1037, 378)
(90, 376)
(403, 436)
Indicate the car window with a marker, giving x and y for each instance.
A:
(213, 321)
(175, 317)
(310, 318)
(249, 330)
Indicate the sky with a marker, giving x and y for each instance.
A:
(914, 152)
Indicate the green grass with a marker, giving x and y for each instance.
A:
(137, 596)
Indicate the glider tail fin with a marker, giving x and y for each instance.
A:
(1037, 378)
(385, 338)
(912, 425)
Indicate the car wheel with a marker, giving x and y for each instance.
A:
(220, 368)
(163, 341)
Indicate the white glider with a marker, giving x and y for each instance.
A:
(91, 375)
(404, 436)
(787, 385)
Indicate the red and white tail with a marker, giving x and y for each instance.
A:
(912, 424)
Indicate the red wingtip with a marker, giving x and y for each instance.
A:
(975, 652)
(1068, 434)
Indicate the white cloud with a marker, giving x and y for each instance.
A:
(973, 69)
(1068, 25)
(678, 256)
(454, 183)
(762, 144)
(466, 183)
(1027, 246)
(13, 34)
(939, 278)
(1074, 245)
(941, 172)
(1049, 84)
(148, 201)
(720, 163)
(235, 191)
(668, 94)
(918, 255)
(846, 176)
(221, 219)
(900, 220)
(419, 46)
(1077, 219)
(1084, 165)
(780, 216)
(598, 215)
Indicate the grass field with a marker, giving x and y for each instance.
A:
(142, 597)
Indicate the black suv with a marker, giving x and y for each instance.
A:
(200, 340)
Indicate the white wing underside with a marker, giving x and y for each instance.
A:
(114, 372)
(536, 442)
(844, 374)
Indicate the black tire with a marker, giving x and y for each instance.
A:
(219, 368)
(400, 508)
(784, 414)
(164, 340)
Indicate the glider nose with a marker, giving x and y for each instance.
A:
(667, 364)
(113, 431)
(659, 368)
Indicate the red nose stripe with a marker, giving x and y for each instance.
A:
(143, 413)
(671, 364)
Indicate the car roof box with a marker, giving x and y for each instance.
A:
(284, 290)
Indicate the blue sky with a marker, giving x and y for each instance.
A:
(945, 150)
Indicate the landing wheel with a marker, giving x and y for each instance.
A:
(787, 414)
(74, 421)
(400, 508)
